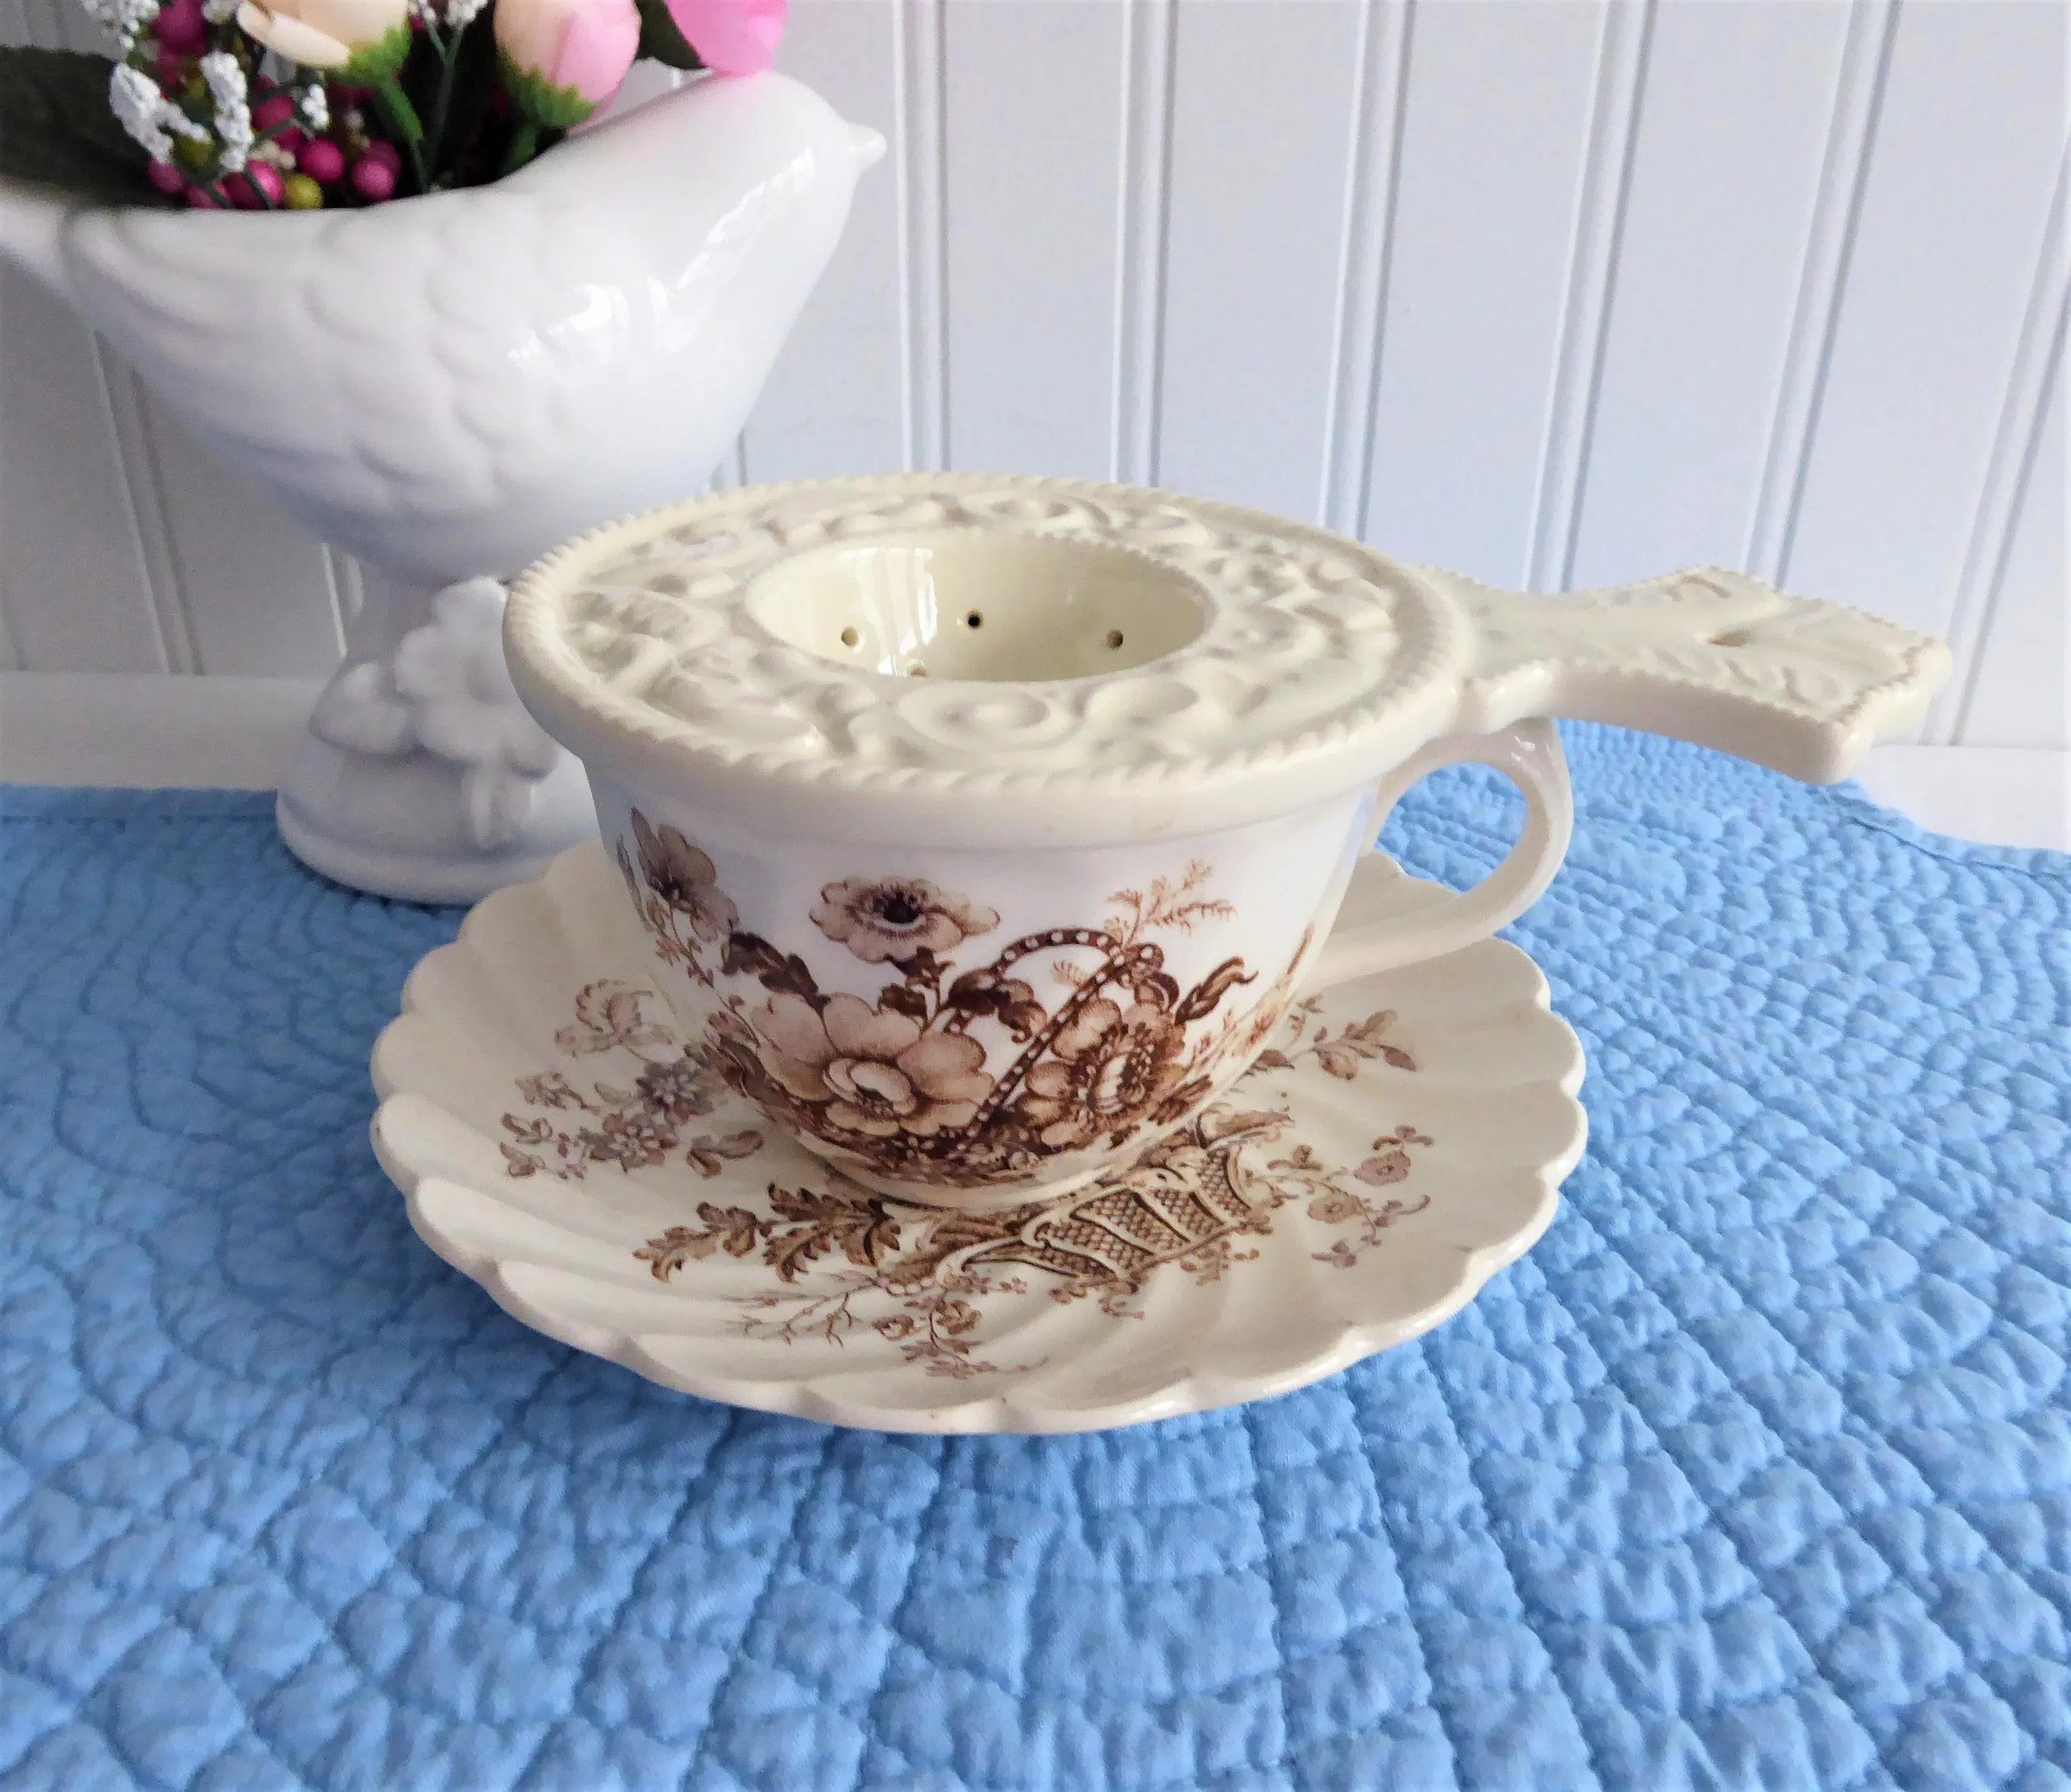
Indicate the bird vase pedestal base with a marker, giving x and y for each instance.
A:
(421, 776)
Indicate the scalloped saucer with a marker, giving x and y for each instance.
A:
(1403, 1139)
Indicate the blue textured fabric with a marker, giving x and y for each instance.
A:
(1756, 1473)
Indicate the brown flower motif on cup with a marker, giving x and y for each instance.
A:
(905, 1082)
(685, 878)
(675, 891)
(1111, 1064)
(875, 1070)
(888, 920)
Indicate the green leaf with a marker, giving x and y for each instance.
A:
(401, 115)
(56, 130)
(373, 63)
(537, 99)
(660, 39)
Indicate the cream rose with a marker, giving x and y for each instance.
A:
(321, 33)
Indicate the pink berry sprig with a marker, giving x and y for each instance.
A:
(375, 174)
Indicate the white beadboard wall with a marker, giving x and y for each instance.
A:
(1556, 292)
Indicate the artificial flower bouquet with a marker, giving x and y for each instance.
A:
(299, 104)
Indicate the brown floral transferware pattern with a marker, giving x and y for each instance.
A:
(903, 1085)
(637, 1128)
(921, 1276)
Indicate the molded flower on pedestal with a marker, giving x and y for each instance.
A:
(468, 711)
(448, 690)
(364, 37)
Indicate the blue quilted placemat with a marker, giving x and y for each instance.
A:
(1755, 1473)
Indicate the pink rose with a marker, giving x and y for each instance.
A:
(581, 47)
(732, 37)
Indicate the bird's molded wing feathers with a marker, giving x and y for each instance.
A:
(322, 350)
(581, 339)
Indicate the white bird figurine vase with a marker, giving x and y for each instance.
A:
(447, 386)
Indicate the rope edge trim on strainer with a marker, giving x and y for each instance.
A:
(1424, 637)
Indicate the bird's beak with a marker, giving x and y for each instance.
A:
(868, 146)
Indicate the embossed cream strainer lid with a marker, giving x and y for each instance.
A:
(1000, 662)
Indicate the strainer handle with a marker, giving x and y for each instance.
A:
(1707, 655)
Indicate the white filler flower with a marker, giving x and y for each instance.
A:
(225, 76)
(146, 114)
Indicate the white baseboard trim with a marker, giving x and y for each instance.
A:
(146, 731)
(149, 730)
(2001, 795)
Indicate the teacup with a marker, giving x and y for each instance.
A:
(985, 829)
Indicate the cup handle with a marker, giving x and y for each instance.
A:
(1529, 754)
